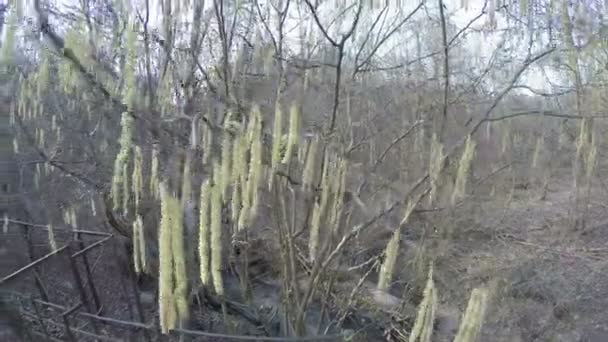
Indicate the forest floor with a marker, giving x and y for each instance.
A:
(549, 281)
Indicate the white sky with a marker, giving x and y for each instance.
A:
(481, 46)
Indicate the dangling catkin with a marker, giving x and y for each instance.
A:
(277, 134)
(137, 257)
(137, 177)
(239, 161)
(120, 165)
(51, 237)
(338, 184)
(225, 165)
(392, 252)
(167, 309)
(126, 192)
(154, 182)
(423, 326)
(470, 326)
(294, 133)
(319, 211)
(464, 165)
(203, 238)
(216, 240)
(180, 291)
(308, 176)
(255, 172)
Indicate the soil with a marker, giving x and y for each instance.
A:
(548, 278)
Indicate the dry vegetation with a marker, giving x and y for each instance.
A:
(346, 169)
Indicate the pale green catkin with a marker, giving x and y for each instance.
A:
(423, 326)
(471, 323)
(250, 178)
(167, 308)
(142, 246)
(308, 176)
(391, 252)
(126, 192)
(216, 240)
(120, 165)
(318, 212)
(51, 237)
(225, 165)
(130, 88)
(180, 291)
(464, 166)
(137, 177)
(235, 203)
(203, 235)
(136, 248)
(255, 172)
(294, 134)
(338, 184)
(93, 207)
(239, 151)
(154, 181)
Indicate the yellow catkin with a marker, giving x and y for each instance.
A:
(318, 212)
(216, 240)
(136, 248)
(154, 182)
(255, 172)
(51, 237)
(308, 176)
(142, 246)
(225, 165)
(464, 165)
(391, 252)
(167, 309)
(137, 177)
(126, 192)
(93, 206)
(235, 203)
(73, 221)
(294, 133)
(239, 150)
(423, 326)
(338, 185)
(122, 159)
(180, 292)
(473, 317)
(203, 236)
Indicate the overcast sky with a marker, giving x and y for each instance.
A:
(480, 45)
